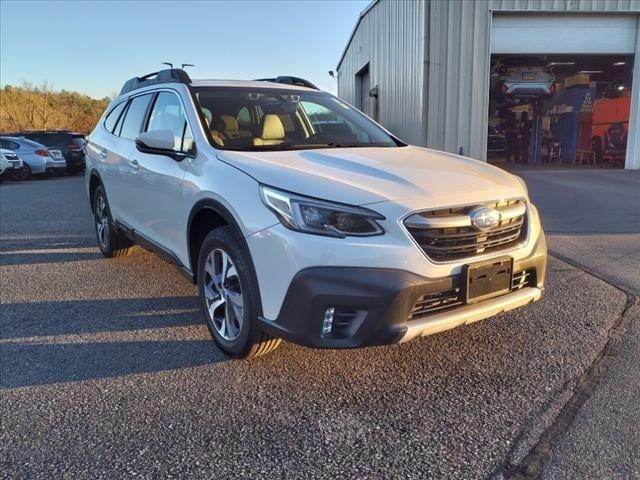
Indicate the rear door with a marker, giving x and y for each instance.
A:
(156, 190)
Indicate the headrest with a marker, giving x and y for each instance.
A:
(272, 128)
(230, 123)
(208, 116)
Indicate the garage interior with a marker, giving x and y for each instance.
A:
(559, 110)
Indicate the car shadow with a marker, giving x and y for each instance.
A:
(76, 317)
(48, 249)
(32, 352)
(45, 364)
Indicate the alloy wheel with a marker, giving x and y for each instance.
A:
(102, 222)
(223, 294)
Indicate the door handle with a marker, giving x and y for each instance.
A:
(134, 164)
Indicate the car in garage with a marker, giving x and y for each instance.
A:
(69, 143)
(523, 76)
(336, 238)
(10, 163)
(37, 159)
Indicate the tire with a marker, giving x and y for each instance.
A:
(235, 329)
(111, 243)
(23, 174)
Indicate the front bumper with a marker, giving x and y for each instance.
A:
(373, 306)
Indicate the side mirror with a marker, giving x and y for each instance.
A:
(161, 142)
(155, 141)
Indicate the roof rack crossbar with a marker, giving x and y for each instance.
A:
(170, 75)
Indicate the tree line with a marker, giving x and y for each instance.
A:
(31, 107)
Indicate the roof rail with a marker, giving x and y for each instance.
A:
(170, 75)
(289, 80)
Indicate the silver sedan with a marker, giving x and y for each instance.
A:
(37, 159)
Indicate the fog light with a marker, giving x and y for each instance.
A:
(327, 324)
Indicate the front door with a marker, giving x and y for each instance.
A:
(158, 179)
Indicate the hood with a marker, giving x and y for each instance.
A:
(364, 176)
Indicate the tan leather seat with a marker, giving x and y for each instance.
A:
(215, 134)
(230, 126)
(272, 131)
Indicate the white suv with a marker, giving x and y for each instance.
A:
(300, 218)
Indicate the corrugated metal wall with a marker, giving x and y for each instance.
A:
(454, 81)
(391, 38)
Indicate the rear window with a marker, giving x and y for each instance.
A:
(50, 139)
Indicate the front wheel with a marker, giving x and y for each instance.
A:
(229, 296)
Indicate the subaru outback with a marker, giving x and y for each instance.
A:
(300, 218)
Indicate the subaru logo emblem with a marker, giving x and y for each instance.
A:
(484, 218)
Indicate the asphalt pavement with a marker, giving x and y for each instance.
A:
(592, 220)
(108, 371)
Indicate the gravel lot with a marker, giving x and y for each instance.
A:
(107, 370)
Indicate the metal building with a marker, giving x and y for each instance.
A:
(422, 68)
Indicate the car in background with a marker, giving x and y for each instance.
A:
(37, 159)
(70, 144)
(10, 163)
(523, 76)
(496, 142)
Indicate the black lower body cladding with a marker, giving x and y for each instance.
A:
(377, 303)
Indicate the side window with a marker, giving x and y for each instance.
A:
(132, 123)
(113, 116)
(167, 114)
(9, 145)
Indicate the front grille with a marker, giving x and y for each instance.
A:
(447, 234)
(524, 278)
(431, 303)
(435, 302)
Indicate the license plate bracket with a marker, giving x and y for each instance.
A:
(488, 279)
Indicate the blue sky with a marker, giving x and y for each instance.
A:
(93, 47)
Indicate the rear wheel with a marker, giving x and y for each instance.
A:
(24, 173)
(111, 243)
(229, 296)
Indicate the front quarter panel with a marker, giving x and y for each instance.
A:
(211, 179)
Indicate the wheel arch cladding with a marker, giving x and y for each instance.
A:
(206, 215)
(94, 182)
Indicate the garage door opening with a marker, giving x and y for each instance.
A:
(559, 110)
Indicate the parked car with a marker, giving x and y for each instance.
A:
(338, 239)
(496, 142)
(523, 77)
(70, 144)
(10, 163)
(37, 159)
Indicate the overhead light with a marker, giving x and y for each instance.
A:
(620, 87)
(556, 64)
(590, 71)
(619, 64)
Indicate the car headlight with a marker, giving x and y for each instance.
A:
(319, 217)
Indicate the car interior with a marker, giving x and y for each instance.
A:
(255, 120)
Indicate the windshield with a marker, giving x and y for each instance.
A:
(259, 119)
